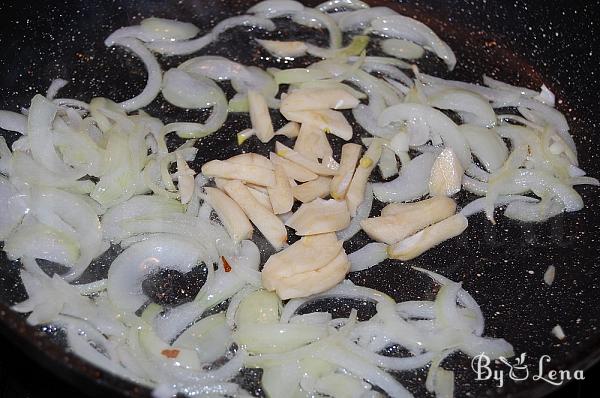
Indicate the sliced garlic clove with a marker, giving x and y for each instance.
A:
(393, 209)
(290, 130)
(408, 219)
(317, 99)
(366, 164)
(185, 179)
(307, 254)
(349, 159)
(311, 190)
(284, 49)
(281, 195)
(251, 159)
(313, 282)
(243, 135)
(320, 216)
(312, 143)
(267, 223)
(328, 120)
(431, 236)
(301, 160)
(446, 174)
(232, 171)
(231, 215)
(293, 170)
(260, 117)
(261, 197)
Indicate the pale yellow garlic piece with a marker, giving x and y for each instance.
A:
(260, 117)
(290, 130)
(267, 223)
(243, 135)
(313, 282)
(446, 174)
(185, 179)
(327, 120)
(261, 197)
(312, 143)
(316, 99)
(284, 49)
(311, 190)
(230, 213)
(366, 164)
(320, 216)
(341, 182)
(251, 159)
(280, 194)
(431, 236)
(303, 161)
(408, 219)
(293, 170)
(232, 171)
(307, 254)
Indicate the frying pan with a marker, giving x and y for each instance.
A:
(525, 43)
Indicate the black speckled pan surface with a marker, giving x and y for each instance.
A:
(522, 42)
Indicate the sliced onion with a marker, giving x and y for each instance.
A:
(471, 106)
(411, 184)
(166, 252)
(55, 86)
(336, 4)
(362, 212)
(154, 74)
(478, 205)
(400, 48)
(368, 256)
(402, 27)
(360, 19)
(439, 124)
(276, 8)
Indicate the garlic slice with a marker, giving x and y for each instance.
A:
(408, 219)
(303, 161)
(185, 179)
(328, 120)
(446, 174)
(290, 130)
(311, 190)
(243, 135)
(315, 99)
(231, 215)
(312, 142)
(320, 216)
(261, 197)
(341, 182)
(356, 190)
(313, 282)
(252, 159)
(232, 171)
(307, 254)
(284, 49)
(293, 170)
(431, 236)
(260, 117)
(267, 223)
(281, 195)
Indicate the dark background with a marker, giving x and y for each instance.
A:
(563, 52)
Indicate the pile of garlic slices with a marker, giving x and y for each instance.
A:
(83, 177)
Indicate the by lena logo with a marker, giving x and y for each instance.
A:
(519, 370)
